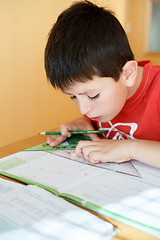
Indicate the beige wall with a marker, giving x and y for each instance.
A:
(139, 18)
(28, 104)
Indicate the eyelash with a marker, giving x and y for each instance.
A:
(95, 97)
(91, 98)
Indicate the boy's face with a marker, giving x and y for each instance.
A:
(101, 99)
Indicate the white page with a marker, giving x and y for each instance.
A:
(110, 190)
(126, 167)
(47, 169)
(33, 213)
(8, 186)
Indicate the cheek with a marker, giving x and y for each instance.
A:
(102, 105)
(112, 103)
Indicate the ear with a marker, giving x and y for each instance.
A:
(130, 72)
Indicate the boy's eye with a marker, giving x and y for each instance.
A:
(94, 97)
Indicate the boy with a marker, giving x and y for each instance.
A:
(88, 57)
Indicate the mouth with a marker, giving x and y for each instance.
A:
(96, 118)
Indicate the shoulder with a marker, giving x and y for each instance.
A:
(151, 83)
(151, 75)
(149, 70)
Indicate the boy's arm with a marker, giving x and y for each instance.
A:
(120, 151)
(146, 151)
(82, 123)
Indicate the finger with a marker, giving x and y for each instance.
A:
(50, 139)
(91, 157)
(65, 131)
(81, 145)
(97, 156)
(87, 150)
(122, 160)
(54, 141)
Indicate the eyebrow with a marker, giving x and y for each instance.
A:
(82, 93)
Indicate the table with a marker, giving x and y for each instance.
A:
(125, 232)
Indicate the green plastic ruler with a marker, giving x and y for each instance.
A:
(71, 144)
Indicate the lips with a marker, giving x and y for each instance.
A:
(96, 118)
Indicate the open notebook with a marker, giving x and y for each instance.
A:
(30, 212)
(130, 198)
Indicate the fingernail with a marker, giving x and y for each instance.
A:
(96, 161)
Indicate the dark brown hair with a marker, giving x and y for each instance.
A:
(86, 40)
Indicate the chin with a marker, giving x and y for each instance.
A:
(104, 119)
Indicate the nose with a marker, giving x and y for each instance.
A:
(84, 107)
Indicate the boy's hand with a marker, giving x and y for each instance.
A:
(107, 150)
(77, 124)
(104, 150)
(55, 140)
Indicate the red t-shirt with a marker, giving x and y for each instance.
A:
(140, 116)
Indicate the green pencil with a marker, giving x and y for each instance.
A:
(74, 132)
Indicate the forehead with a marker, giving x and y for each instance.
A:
(86, 87)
